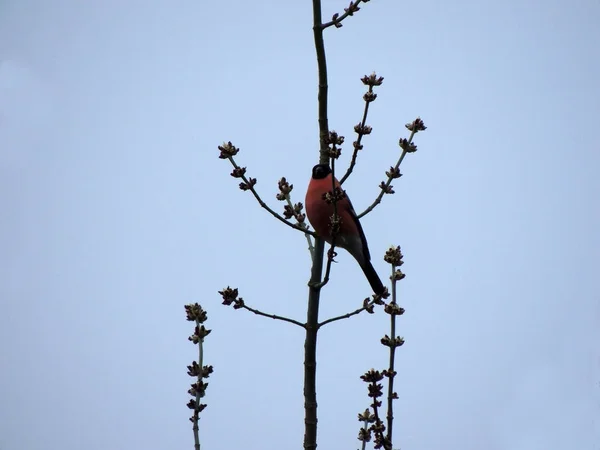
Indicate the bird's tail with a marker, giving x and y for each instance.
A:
(373, 278)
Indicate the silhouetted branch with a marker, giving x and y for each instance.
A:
(228, 150)
(362, 129)
(311, 248)
(195, 313)
(274, 316)
(407, 147)
(373, 378)
(368, 306)
(394, 257)
(364, 435)
(291, 210)
(323, 86)
(336, 20)
(231, 297)
(314, 292)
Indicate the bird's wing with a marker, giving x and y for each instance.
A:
(360, 231)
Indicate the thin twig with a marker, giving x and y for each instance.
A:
(347, 315)
(358, 140)
(330, 256)
(201, 364)
(195, 313)
(302, 225)
(337, 19)
(274, 316)
(378, 431)
(264, 205)
(388, 182)
(391, 372)
(366, 430)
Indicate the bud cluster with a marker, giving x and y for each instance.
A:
(230, 296)
(195, 313)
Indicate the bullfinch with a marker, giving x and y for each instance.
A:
(350, 236)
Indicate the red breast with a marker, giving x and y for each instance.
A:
(319, 211)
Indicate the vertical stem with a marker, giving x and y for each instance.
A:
(366, 428)
(310, 350)
(323, 87)
(314, 293)
(390, 399)
(199, 380)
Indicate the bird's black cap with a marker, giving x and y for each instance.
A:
(320, 171)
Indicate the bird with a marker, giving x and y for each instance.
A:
(350, 236)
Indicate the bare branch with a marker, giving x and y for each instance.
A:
(362, 129)
(357, 144)
(373, 378)
(314, 293)
(394, 257)
(364, 435)
(231, 298)
(336, 20)
(248, 184)
(274, 316)
(367, 306)
(323, 84)
(291, 207)
(385, 186)
(195, 313)
(407, 147)
(308, 233)
(331, 254)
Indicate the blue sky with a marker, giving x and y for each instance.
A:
(117, 212)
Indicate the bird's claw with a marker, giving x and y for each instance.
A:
(331, 254)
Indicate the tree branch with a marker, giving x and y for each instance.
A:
(385, 186)
(365, 307)
(395, 258)
(231, 298)
(273, 316)
(250, 186)
(323, 86)
(310, 349)
(314, 292)
(391, 372)
(407, 147)
(336, 20)
(197, 370)
(357, 143)
(302, 225)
